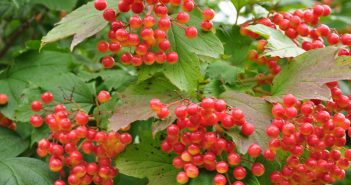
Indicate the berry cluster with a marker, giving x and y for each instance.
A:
(313, 136)
(145, 34)
(301, 26)
(199, 148)
(71, 138)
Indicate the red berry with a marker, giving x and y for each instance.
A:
(109, 15)
(36, 106)
(247, 129)
(135, 22)
(138, 7)
(191, 32)
(47, 97)
(183, 17)
(164, 23)
(208, 14)
(103, 96)
(206, 26)
(182, 178)
(333, 39)
(254, 150)
(102, 46)
(108, 62)
(220, 180)
(188, 6)
(36, 121)
(172, 57)
(100, 4)
(257, 169)
(346, 39)
(239, 173)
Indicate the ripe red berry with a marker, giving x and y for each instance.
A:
(108, 62)
(220, 180)
(346, 39)
(172, 57)
(102, 46)
(36, 121)
(254, 150)
(103, 96)
(100, 4)
(257, 169)
(239, 173)
(188, 6)
(206, 25)
(135, 22)
(182, 178)
(164, 23)
(247, 129)
(183, 17)
(191, 32)
(208, 14)
(138, 7)
(333, 39)
(47, 97)
(36, 106)
(222, 167)
(82, 118)
(109, 15)
(59, 182)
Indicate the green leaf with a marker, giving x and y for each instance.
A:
(122, 179)
(24, 171)
(136, 101)
(278, 44)
(257, 112)
(214, 88)
(241, 3)
(186, 73)
(236, 46)
(223, 71)
(114, 80)
(39, 133)
(30, 68)
(11, 144)
(305, 77)
(67, 5)
(82, 23)
(147, 160)
(204, 178)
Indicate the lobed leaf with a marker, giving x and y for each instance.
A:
(11, 144)
(307, 75)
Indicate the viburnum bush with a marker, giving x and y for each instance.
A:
(166, 92)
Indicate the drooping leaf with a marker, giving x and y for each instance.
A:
(136, 101)
(25, 171)
(257, 112)
(82, 23)
(30, 67)
(306, 76)
(278, 44)
(66, 5)
(236, 46)
(223, 71)
(11, 143)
